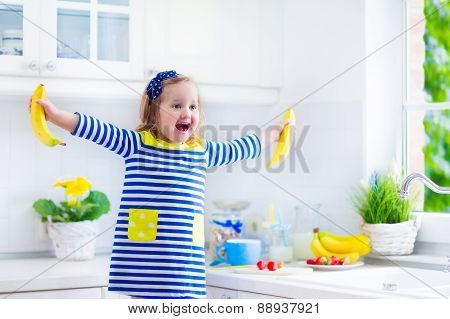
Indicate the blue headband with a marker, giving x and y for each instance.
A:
(154, 88)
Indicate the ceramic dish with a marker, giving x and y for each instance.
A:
(331, 267)
(285, 271)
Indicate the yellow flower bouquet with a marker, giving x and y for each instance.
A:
(77, 206)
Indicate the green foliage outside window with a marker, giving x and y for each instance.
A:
(437, 86)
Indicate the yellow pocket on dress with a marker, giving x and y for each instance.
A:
(198, 231)
(142, 224)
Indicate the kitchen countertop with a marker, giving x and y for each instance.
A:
(47, 273)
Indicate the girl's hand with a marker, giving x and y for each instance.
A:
(273, 132)
(50, 109)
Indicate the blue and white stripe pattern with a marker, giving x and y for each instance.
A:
(172, 182)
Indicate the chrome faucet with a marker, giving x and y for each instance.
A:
(426, 181)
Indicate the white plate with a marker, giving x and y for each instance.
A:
(331, 267)
(284, 271)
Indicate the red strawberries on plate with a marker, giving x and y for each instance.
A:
(269, 265)
(333, 261)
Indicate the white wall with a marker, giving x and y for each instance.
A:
(385, 33)
(321, 39)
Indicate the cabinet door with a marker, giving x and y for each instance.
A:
(19, 44)
(84, 293)
(220, 293)
(251, 295)
(214, 41)
(111, 295)
(92, 38)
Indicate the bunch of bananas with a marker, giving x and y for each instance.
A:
(327, 244)
(38, 120)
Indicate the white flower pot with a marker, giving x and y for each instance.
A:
(73, 241)
(392, 239)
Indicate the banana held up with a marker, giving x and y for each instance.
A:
(327, 245)
(38, 122)
(286, 138)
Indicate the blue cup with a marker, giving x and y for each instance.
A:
(239, 251)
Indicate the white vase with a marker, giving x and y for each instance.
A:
(75, 240)
(392, 239)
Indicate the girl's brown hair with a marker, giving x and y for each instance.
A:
(149, 111)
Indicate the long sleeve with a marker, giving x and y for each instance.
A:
(222, 153)
(120, 141)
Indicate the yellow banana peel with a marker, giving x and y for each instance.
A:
(38, 121)
(319, 250)
(286, 138)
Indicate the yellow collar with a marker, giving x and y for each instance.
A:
(148, 139)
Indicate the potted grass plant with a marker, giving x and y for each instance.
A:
(72, 226)
(387, 218)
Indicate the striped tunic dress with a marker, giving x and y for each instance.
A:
(158, 249)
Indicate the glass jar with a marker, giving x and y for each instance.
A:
(223, 227)
(306, 219)
(280, 248)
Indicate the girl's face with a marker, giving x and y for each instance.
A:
(179, 113)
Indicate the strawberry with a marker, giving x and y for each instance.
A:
(271, 266)
(261, 264)
(310, 262)
(317, 261)
(341, 262)
(334, 260)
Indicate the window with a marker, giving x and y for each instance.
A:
(427, 98)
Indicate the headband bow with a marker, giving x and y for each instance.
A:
(154, 88)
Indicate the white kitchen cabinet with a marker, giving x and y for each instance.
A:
(19, 37)
(213, 292)
(72, 38)
(83, 293)
(111, 295)
(232, 48)
(229, 42)
(92, 38)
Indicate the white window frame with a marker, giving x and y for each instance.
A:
(430, 220)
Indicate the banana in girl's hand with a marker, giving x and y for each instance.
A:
(285, 140)
(38, 120)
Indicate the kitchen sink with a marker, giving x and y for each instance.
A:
(383, 279)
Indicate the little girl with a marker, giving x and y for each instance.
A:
(158, 249)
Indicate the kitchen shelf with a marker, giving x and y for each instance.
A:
(19, 87)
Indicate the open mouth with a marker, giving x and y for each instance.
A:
(183, 127)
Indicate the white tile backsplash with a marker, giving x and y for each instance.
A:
(22, 219)
(28, 170)
(4, 234)
(4, 194)
(22, 172)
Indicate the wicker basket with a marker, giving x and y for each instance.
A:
(392, 239)
(73, 241)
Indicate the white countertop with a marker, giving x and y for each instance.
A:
(33, 274)
(47, 273)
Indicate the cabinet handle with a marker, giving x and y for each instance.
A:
(34, 65)
(51, 66)
(225, 297)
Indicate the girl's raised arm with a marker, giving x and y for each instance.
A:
(120, 141)
(223, 153)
